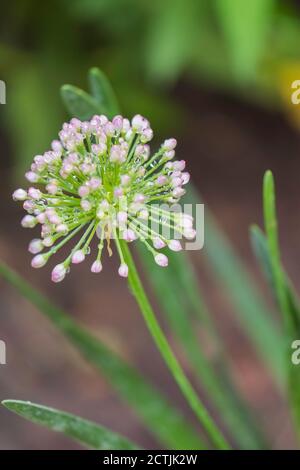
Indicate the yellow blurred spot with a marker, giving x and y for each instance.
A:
(289, 89)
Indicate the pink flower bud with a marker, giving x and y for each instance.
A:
(83, 191)
(169, 144)
(185, 177)
(62, 228)
(175, 245)
(94, 183)
(72, 158)
(28, 221)
(58, 273)
(139, 123)
(158, 243)
(139, 198)
(39, 261)
(129, 235)
(104, 205)
(29, 206)
(126, 125)
(147, 135)
(52, 188)
(31, 177)
(48, 241)
(19, 195)
(78, 257)
(123, 270)
(96, 267)
(161, 260)
(122, 217)
(56, 146)
(117, 154)
(176, 182)
(169, 154)
(161, 180)
(46, 229)
(34, 193)
(125, 179)
(103, 119)
(86, 205)
(99, 149)
(178, 192)
(76, 123)
(118, 123)
(35, 246)
(179, 165)
(189, 233)
(54, 219)
(118, 192)
(109, 129)
(41, 217)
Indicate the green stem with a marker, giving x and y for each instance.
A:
(166, 352)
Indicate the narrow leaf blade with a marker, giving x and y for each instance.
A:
(81, 430)
(250, 309)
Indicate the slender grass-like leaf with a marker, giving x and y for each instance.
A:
(261, 251)
(85, 432)
(267, 251)
(283, 291)
(250, 309)
(162, 419)
(271, 230)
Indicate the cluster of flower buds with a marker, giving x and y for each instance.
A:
(100, 179)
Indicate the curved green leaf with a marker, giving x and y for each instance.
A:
(79, 103)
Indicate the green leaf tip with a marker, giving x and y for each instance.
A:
(83, 431)
(78, 103)
(268, 182)
(103, 93)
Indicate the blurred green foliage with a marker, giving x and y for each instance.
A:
(145, 47)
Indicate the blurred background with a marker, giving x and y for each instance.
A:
(215, 75)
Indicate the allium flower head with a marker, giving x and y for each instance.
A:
(100, 179)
